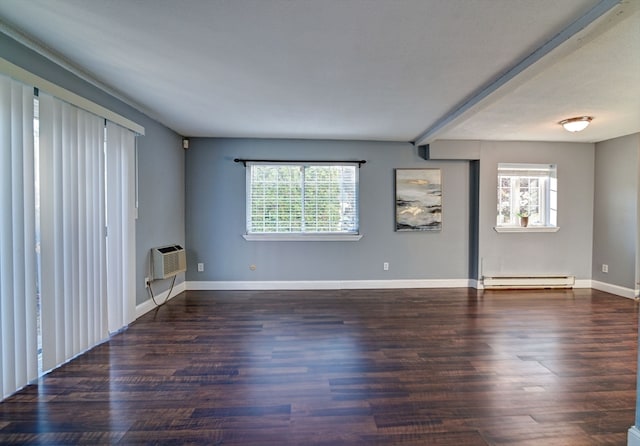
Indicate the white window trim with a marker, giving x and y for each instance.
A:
(512, 229)
(545, 201)
(302, 237)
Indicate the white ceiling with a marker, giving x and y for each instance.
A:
(353, 69)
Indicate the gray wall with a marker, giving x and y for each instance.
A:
(215, 217)
(160, 162)
(213, 191)
(161, 206)
(568, 251)
(615, 238)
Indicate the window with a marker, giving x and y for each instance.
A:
(527, 193)
(302, 199)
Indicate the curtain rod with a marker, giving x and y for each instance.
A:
(245, 161)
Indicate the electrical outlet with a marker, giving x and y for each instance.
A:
(385, 266)
(146, 282)
(605, 268)
(200, 267)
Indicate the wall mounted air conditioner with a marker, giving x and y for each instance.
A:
(167, 261)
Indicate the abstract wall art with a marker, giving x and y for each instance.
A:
(418, 200)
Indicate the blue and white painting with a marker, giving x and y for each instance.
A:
(418, 200)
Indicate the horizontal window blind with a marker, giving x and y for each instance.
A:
(526, 170)
(302, 198)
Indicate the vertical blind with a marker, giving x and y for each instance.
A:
(73, 247)
(121, 216)
(58, 192)
(18, 329)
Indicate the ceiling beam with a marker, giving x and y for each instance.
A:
(484, 95)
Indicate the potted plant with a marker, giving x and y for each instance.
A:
(524, 217)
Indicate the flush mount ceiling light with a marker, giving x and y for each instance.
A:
(576, 124)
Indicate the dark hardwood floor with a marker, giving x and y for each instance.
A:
(366, 367)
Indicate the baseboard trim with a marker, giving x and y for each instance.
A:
(327, 284)
(148, 305)
(614, 289)
(633, 436)
(583, 283)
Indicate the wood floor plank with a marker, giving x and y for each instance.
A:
(348, 367)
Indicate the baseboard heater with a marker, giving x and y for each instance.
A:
(527, 282)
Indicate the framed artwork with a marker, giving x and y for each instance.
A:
(418, 200)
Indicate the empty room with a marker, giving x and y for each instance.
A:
(325, 222)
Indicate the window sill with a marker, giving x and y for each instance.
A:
(302, 237)
(507, 229)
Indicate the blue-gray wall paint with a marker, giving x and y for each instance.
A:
(214, 194)
(160, 162)
(161, 207)
(567, 251)
(215, 217)
(615, 238)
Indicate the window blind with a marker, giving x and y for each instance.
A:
(526, 170)
(302, 198)
(73, 247)
(121, 216)
(53, 201)
(18, 312)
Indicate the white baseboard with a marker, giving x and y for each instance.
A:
(633, 436)
(614, 289)
(327, 284)
(583, 283)
(149, 305)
